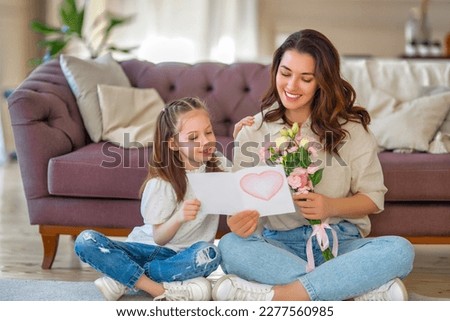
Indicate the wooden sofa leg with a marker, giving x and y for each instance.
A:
(50, 238)
(50, 243)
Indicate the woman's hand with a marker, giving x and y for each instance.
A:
(246, 121)
(190, 210)
(320, 207)
(243, 223)
(314, 206)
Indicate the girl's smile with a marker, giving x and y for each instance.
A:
(195, 140)
(208, 152)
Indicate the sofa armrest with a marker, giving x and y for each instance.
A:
(46, 123)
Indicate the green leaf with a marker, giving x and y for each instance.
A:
(304, 157)
(316, 177)
(43, 28)
(290, 163)
(124, 50)
(34, 62)
(289, 157)
(72, 20)
(71, 17)
(114, 21)
(314, 222)
(327, 254)
(54, 46)
(80, 23)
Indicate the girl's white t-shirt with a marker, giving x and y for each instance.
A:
(159, 203)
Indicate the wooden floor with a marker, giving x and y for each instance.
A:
(21, 249)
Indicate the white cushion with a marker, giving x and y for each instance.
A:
(83, 77)
(129, 114)
(441, 141)
(413, 124)
(387, 86)
(440, 144)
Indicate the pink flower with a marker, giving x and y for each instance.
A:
(304, 190)
(292, 149)
(298, 180)
(264, 153)
(312, 169)
(299, 171)
(312, 151)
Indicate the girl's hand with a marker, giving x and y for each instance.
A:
(314, 206)
(243, 223)
(164, 232)
(247, 121)
(190, 210)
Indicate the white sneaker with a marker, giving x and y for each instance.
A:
(198, 289)
(233, 288)
(111, 289)
(394, 290)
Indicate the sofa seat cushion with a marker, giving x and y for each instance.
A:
(99, 170)
(416, 176)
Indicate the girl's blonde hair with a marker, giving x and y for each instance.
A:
(166, 163)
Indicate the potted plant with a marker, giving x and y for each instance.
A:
(72, 26)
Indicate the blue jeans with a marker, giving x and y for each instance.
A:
(126, 262)
(279, 257)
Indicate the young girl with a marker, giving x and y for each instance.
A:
(172, 253)
(307, 88)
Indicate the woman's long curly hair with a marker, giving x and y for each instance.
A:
(333, 102)
(165, 162)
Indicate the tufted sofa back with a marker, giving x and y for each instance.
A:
(231, 92)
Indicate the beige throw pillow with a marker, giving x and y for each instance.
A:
(83, 77)
(129, 114)
(413, 124)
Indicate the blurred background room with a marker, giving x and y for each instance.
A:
(192, 31)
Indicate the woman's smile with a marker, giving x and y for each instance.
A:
(291, 96)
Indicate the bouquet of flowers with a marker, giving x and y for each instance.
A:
(297, 154)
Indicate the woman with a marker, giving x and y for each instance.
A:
(307, 88)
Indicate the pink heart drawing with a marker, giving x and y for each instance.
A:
(264, 185)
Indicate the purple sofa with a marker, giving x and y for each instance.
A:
(72, 184)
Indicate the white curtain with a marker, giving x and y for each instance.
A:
(188, 30)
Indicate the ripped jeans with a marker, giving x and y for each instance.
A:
(126, 262)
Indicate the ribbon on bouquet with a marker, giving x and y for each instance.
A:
(319, 231)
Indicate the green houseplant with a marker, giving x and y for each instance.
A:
(72, 24)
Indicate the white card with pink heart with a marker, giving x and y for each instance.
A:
(261, 188)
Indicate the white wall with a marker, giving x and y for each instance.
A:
(18, 46)
(356, 27)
